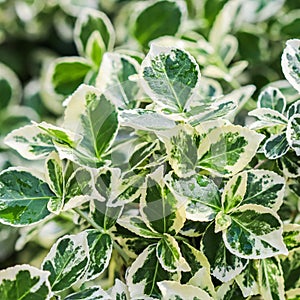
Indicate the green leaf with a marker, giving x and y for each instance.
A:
(95, 49)
(270, 278)
(55, 179)
(31, 142)
(158, 19)
(276, 146)
(169, 255)
(89, 22)
(114, 81)
(66, 74)
(272, 98)
(67, 261)
(181, 149)
(23, 282)
(293, 133)
(159, 208)
(291, 236)
(92, 116)
(224, 265)
(290, 165)
(255, 232)
(23, 198)
(294, 109)
(90, 293)
(169, 77)
(119, 291)
(259, 187)
(100, 249)
(290, 269)
(175, 290)
(227, 150)
(199, 194)
(144, 274)
(290, 63)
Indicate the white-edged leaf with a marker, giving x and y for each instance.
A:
(267, 118)
(291, 236)
(290, 63)
(119, 291)
(89, 293)
(95, 48)
(67, 261)
(24, 282)
(290, 165)
(293, 294)
(294, 109)
(255, 232)
(276, 146)
(293, 133)
(227, 150)
(175, 290)
(170, 76)
(272, 98)
(169, 255)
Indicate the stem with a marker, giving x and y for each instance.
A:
(116, 246)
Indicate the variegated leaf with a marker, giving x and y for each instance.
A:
(180, 143)
(100, 249)
(169, 255)
(294, 109)
(67, 261)
(145, 273)
(95, 49)
(119, 291)
(255, 232)
(30, 142)
(291, 236)
(172, 290)
(23, 197)
(293, 133)
(114, 81)
(290, 63)
(276, 146)
(290, 165)
(199, 194)
(224, 265)
(290, 269)
(24, 282)
(272, 98)
(169, 77)
(270, 278)
(90, 293)
(227, 150)
(259, 187)
(229, 291)
(293, 294)
(160, 210)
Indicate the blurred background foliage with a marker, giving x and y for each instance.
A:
(235, 42)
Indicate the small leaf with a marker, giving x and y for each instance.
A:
(95, 48)
(276, 146)
(270, 278)
(67, 261)
(175, 290)
(23, 198)
(119, 291)
(144, 274)
(169, 77)
(293, 133)
(291, 236)
(290, 165)
(169, 255)
(90, 293)
(272, 98)
(227, 150)
(290, 63)
(294, 109)
(290, 269)
(167, 17)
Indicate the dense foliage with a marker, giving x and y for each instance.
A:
(160, 159)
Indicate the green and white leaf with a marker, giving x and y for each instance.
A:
(55, 179)
(172, 290)
(24, 282)
(114, 80)
(169, 77)
(259, 187)
(223, 264)
(145, 273)
(159, 209)
(119, 291)
(199, 195)
(276, 146)
(272, 98)
(95, 49)
(290, 165)
(100, 249)
(270, 278)
(290, 63)
(90, 293)
(30, 142)
(255, 232)
(294, 109)
(227, 150)
(90, 21)
(169, 255)
(67, 261)
(291, 236)
(26, 202)
(293, 294)
(181, 149)
(293, 133)
(290, 268)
